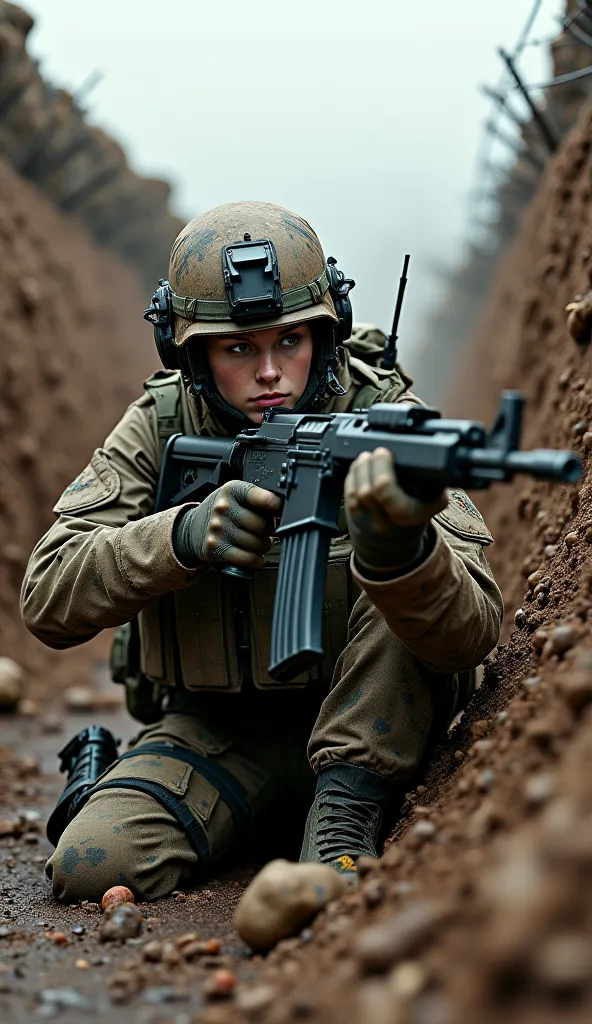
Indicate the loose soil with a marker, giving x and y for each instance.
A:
(481, 907)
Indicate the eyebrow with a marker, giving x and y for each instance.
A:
(285, 329)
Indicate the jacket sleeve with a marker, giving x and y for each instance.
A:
(107, 556)
(447, 611)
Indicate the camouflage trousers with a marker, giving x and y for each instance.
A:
(195, 785)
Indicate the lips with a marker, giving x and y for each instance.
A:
(267, 401)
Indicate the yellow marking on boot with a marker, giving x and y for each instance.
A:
(345, 863)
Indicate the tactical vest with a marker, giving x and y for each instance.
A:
(215, 635)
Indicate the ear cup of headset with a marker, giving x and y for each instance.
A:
(339, 288)
(160, 315)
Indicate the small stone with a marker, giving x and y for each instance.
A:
(59, 938)
(64, 999)
(407, 980)
(571, 539)
(10, 827)
(502, 717)
(579, 428)
(165, 994)
(424, 830)
(373, 893)
(152, 951)
(480, 728)
(192, 950)
(79, 698)
(121, 921)
(220, 985)
(576, 688)
(180, 897)
(560, 640)
(11, 680)
(539, 639)
(587, 439)
(531, 682)
(117, 894)
(563, 963)
(78, 929)
(520, 618)
(550, 550)
(306, 936)
(29, 709)
(459, 755)
(539, 789)
(486, 780)
(254, 1001)
(401, 936)
(51, 724)
(534, 579)
(82, 965)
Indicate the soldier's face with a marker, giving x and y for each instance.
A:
(258, 370)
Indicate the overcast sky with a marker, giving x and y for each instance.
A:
(364, 116)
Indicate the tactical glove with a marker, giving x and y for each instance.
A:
(233, 526)
(389, 528)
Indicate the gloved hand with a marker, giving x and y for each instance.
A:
(388, 527)
(232, 526)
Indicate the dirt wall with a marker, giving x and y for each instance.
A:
(73, 353)
(481, 908)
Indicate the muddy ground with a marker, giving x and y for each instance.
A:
(481, 908)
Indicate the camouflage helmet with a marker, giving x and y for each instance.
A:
(201, 271)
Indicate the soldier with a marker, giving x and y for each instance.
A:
(408, 615)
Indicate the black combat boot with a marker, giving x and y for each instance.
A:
(350, 816)
(85, 758)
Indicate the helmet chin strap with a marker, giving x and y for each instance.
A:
(322, 383)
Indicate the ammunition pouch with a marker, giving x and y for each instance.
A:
(144, 699)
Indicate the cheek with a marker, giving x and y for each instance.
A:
(301, 367)
(230, 378)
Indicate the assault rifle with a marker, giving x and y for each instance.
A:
(305, 457)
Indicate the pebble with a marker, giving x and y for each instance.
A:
(480, 728)
(539, 640)
(550, 550)
(486, 780)
(535, 578)
(563, 963)
(152, 951)
(59, 938)
(401, 936)
(254, 1001)
(560, 640)
(121, 921)
(117, 894)
(11, 680)
(10, 827)
(220, 985)
(28, 708)
(51, 724)
(78, 929)
(373, 893)
(407, 980)
(531, 682)
(587, 439)
(165, 994)
(424, 830)
(520, 618)
(571, 539)
(576, 688)
(65, 999)
(82, 965)
(579, 428)
(539, 789)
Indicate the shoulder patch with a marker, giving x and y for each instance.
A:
(464, 519)
(99, 484)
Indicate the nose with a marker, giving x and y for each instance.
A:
(268, 369)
